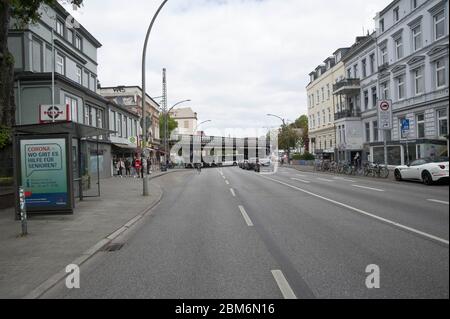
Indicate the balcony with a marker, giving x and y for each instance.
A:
(347, 86)
(346, 114)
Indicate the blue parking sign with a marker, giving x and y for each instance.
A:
(405, 125)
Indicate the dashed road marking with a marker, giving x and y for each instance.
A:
(245, 215)
(232, 192)
(283, 284)
(438, 201)
(325, 179)
(369, 188)
(300, 180)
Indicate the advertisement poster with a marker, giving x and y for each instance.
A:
(44, 172)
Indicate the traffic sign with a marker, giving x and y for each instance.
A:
(405, 128)
(385, 114)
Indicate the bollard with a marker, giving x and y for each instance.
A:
(23, 211)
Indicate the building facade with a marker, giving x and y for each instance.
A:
(413, 58)
(130, 97)
(186, 119)
(71, 51)
(321, 105)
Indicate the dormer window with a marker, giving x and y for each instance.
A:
(396, 14)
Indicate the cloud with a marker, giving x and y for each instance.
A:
(237, 60)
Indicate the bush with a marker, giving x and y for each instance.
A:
(307, 157)
(296, 156)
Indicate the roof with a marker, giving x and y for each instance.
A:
(185, 112)
(136, 87)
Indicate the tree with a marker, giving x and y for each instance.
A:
(287, 137)
(22, 12)
(302, 124)
(172, 124)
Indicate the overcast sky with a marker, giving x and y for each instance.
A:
(237, 60)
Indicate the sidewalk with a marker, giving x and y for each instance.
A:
(306, 168)
(55, 241)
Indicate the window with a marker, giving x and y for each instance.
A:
(60, 28)
(328, 92)
(442, 123)
(349, 73)
(364, 71)
(385, 90)
(366, 99)
(374, 96)
(92, 116)
(375, 131)
(186, 124)
(324, 117)
(323, 94)
(73, 105)
(382, 25)
(367, 132)
(86, 114)
(318, 97)
(417, 38)
(119, 125)
(384, 55)
(439, 25)
(79, 75)
(59, 64)
(37, 55)
(400, 87)
(418, 81)
(330, 119)
(318, 119)
(399, 48)
(355, 70)
(78, 42)
(396, 14)
(70, 36)
(372, 63)
(85, 78)
(440, 73)
(92, 83)
(414, 4)
(124, 126)
(420, 120)
(100, 118)
(112, 121)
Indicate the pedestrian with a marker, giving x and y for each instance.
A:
(127, 167)
(120, 167)
(356, 160)
(138, 166)
(133, 167)
(149, 164)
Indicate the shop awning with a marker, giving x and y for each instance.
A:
(127, 146)
(76, 129)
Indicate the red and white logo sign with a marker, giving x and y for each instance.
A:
(384, 105)
(54, 113)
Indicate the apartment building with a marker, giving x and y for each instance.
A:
(186, 119)
(52, 43)
(322, 104)
(356, 95)
(130, 97)
(413, 59)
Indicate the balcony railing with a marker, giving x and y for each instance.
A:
(347, 113)
(346, 85)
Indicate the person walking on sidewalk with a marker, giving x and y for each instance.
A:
(120, 167)
(138, 166)
(127, 167)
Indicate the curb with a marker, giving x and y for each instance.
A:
(59, 276)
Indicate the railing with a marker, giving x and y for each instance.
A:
(347, 83)
(347, 113)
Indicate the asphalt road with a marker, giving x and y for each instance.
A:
(230, 233)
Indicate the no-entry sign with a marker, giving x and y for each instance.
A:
(385, 114)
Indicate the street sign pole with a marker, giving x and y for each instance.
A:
(385, 122)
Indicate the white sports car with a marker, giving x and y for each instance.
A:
(427, 170)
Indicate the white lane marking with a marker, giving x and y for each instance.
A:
(300, 180)
(438, 201)
(370, 188)
(344, 179)
(283, 284)
(245, 215)
(325, 179)
(223, 177)
(227, 182)
(364, 212)
(300, 175)
(232, 192)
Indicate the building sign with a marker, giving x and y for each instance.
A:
(54, 113)
(405, 128)
(44, 173)
(385, 114)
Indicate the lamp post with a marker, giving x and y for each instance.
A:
(144, 129)
(166, 129)
(200, 124)
(284, 126)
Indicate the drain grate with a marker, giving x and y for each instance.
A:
(113, 247)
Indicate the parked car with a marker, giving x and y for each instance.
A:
(245, 164)
(426, 170)
(265, 162)
(252, 163)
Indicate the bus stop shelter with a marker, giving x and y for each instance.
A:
(49, 165)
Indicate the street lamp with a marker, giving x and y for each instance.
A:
(284, 126)
(200, 124)
(144, 129)
(166, 129)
